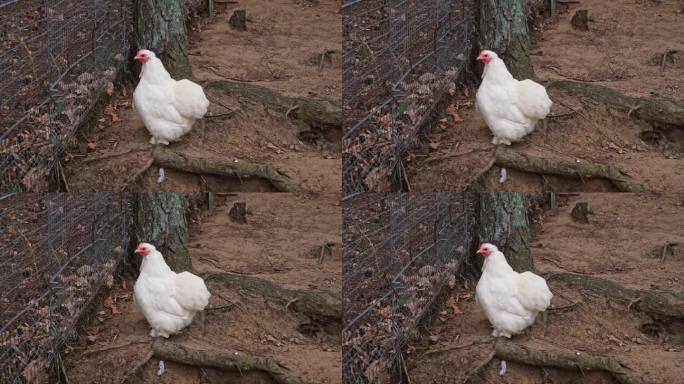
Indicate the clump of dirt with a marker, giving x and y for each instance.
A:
(281, 243)
(275, 52)
(622, 243)
(620, 56)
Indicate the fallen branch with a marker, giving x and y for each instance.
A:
(661, 112)
(134, 177)
(317, 112)
(180, 161)
(654, 302)
(479, 367)
(223, 360)
(565, 168)
(473, 182)
(133, 375)
(317, 304)
(565, 360)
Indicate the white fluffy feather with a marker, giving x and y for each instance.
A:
(168, 300)
(511, 108)
(167, 107)
(510, 300)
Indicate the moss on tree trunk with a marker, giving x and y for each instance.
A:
(503, 29)
(160, 221)
(160, 27)
(503, 222)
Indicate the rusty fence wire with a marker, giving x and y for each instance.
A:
(401, 57)
(58, 252)
(401, 252)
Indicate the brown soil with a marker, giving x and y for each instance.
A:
(622, 243)
(281, 49)
(281, 243)
(619, 51)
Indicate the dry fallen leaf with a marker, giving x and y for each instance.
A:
(451, 110)
(451, 302)
(110, 89)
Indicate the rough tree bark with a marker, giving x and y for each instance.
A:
(503, 222)
(503, 29)
(160, 221)
(160, 27)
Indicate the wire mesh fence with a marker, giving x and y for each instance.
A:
(58, 252)
(401, 57)
(58, 58)
(400, 253)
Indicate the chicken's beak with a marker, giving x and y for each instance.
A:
(479, 58)
(138, 58)
(138, 251)
(479, 251)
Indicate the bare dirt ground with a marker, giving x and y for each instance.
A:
(280, 243)
(622, 50)
(281, 50)
(621, 243)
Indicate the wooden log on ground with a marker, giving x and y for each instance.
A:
(582, 170)
(176, 160)
(660, 112)
(565, 360)
(320, 113)
(232, 361)
(322, 305)
(657, 303)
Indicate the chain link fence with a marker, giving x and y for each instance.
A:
(401, 252)
(401, 57)
(58, 252)
(58, 58)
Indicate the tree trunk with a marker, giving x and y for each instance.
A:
(160, 27)
(503, 29)
(160, 221)
(503, 222)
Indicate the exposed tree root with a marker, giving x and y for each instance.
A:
(657, 303)
(661, 112)
(130, 180)
(317, 112)
(320, 304)
(479, 367)
(165, 350)
(566, 360)
(583, 170)
(170, 159)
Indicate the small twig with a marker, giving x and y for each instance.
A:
(117, 346)
(61, 365)
(632, 302)
(290, 110)
(475, 178)
(479, 367)
(453, 348)
(405, 368)
(132, 178)
(134, 371)
(632, 110)
(108, 155)
(63, 175)
(229, 305)
(294, 300)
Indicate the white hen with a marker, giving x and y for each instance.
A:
(168, 300)
(510, 300)
(167, 107)
(511, 108)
